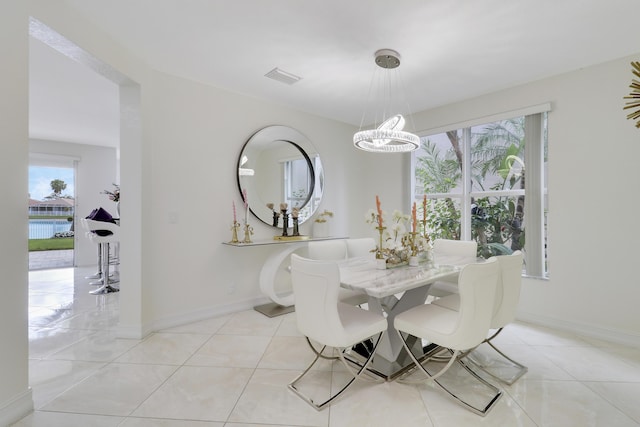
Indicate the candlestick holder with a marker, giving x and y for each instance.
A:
(296, 232)
(285, 222)
(234, 232)
(379, 254)
(413, 246)
(248, 231)
(276, 216)
(425, 234)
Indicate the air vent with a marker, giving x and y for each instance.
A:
(283, 76)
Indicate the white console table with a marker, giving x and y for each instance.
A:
(282, 249)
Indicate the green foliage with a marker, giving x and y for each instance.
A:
(50, 244)
(443, 219)
(57, 185)
(493, 225)
(437, 172)
(495, 222)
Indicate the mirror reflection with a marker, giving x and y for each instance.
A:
(278, 165)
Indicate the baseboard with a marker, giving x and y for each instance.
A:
(17, 408)
(202, 314)
(139, 332)
(586, 330)
(135, 332)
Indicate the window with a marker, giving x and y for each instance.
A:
(483, 182)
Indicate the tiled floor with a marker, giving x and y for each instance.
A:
(232, 371)
(40, 260)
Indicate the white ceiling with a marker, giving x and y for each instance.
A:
(451, 50)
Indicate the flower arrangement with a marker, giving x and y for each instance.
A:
(113, 195)
(324, 216)
(397, 241)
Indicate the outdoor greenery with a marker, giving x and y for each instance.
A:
(53, 243)
(58, 186)
(496, 222)
(50, 244)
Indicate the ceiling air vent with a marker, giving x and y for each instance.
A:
(283, 76)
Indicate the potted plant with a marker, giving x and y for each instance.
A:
(321, 226)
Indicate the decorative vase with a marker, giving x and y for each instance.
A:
(321, 229)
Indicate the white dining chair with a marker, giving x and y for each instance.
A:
(456, 331)
(451, 252)
(505, 305)
(361, 247)
(335, 250)
(336, 326)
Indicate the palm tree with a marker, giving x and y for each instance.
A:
(58, 186)
(495, 148)
(498, 146)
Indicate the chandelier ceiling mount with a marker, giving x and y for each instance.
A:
(389, 136)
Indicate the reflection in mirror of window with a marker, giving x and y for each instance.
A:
(297, 181)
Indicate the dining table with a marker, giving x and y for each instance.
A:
(390, 292)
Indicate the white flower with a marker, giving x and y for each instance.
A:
(371, 217)
(398, 229)
(396, 245)
(399, 216)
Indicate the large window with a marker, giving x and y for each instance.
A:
(487, 182)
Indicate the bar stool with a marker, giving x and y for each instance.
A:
(98, 273)
(98, 234)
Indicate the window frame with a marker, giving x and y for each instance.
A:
(535, 191)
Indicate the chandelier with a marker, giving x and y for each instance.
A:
(389, 136)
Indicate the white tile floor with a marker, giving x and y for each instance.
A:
(232, 371)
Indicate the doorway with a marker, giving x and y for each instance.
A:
(51, 213)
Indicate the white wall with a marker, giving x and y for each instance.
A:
(197, 133)
(96, 171)
(15, 395)
(593, 201)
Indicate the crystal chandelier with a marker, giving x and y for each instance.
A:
(389, 136)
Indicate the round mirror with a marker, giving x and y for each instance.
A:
(278, 165)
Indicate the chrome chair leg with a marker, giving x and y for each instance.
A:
(106, 283)
(97, 274)
(520, 368)
(355, 375)
(319, 353)
(455, 357)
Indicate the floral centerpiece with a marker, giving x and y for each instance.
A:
(397, 244)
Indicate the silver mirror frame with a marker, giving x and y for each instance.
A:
(301, 146)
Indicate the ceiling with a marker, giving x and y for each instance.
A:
(451, 50)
